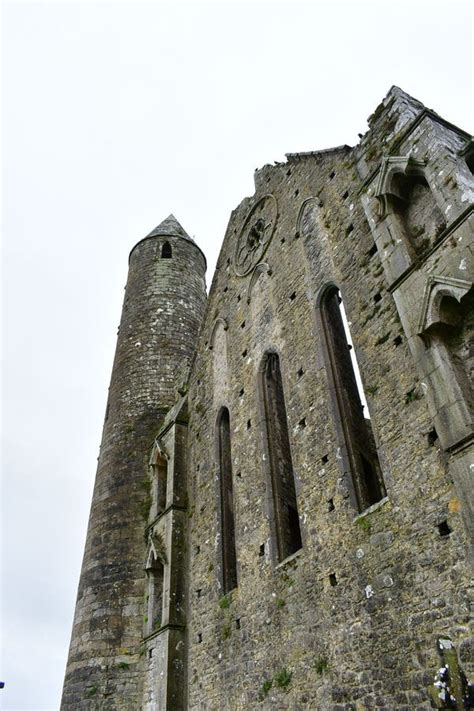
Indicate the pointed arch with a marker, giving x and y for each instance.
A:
(261, 268)
(159, 468)
(307, 216)
(155, 571)
(226, 501)
(393, 171)
(446, 327)
(407, 200)
(437, 288)
(219, 323)
(347, 395)
(284, 516)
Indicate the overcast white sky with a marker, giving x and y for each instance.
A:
(115, 115)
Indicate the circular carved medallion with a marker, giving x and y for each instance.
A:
(256, 234)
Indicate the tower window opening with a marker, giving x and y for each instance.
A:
(286, 524)
(166, 251)
(227, 523)
(351, 403)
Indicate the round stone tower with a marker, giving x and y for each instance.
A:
(164, 304)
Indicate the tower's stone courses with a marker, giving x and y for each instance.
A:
(162, 311)
(352, 621)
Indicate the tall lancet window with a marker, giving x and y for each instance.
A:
(286, 523)
(229, 557)
(350, 402)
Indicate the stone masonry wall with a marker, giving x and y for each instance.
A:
(350, 621)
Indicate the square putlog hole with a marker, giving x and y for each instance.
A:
(443, 529)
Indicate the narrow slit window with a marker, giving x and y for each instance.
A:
(286, 522)
(351, 403)
(166, 251)
(229, 556)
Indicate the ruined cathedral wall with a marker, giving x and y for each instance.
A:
(354, 614)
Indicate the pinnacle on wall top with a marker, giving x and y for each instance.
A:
(170, 228)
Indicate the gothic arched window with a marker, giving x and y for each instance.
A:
(348, 398)
(285, 519)
(227, 524)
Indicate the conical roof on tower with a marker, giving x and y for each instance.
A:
(170, 227)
